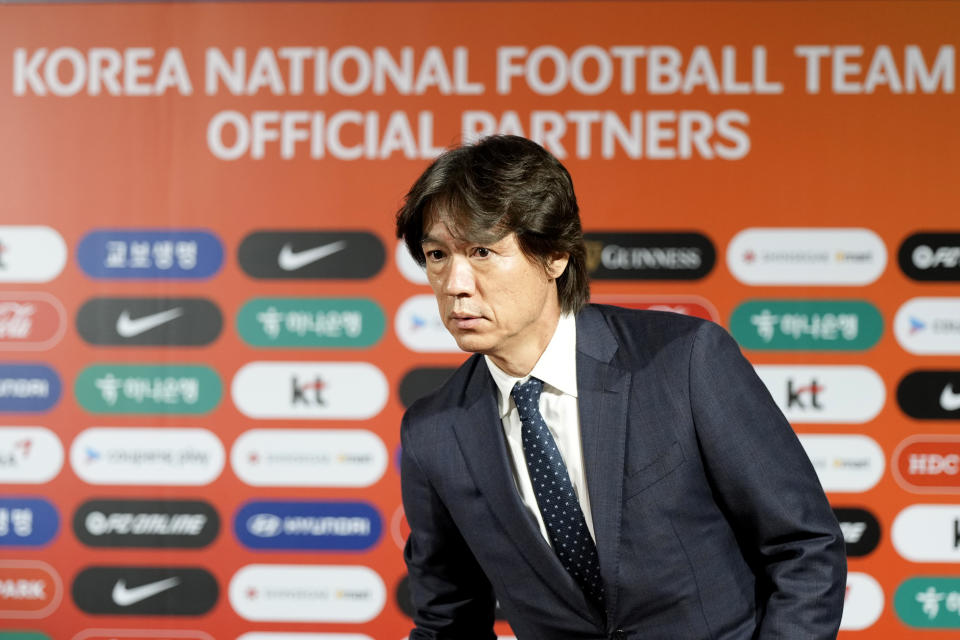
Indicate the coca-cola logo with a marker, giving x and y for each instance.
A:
(30, 321)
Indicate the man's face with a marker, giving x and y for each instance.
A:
(493, 299)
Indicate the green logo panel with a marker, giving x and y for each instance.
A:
(23, 635)
(333, 323)
(148, 389)
(929, 602)
(806, 325)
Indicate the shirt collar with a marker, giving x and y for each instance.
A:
(557, 366)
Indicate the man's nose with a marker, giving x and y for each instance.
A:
(459, 280)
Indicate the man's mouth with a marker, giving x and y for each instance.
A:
(464, 320)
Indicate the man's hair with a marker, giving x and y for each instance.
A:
(499, 185)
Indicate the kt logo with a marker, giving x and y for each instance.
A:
(807, 397)
(308, 393)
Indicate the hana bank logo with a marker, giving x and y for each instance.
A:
(845, 463)
(806, 256)
(309, 457)
(420, 329)
(863, 602)
(168, 456)
(29, 455)
(929, 602)
(31, 253)
(307, 593)
(310, 390)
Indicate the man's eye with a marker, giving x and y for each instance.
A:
(434, 254)
(482, 252)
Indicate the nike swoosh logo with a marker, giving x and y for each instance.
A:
(129, 327)
(949, 400)
(289, 260)
(124, 597)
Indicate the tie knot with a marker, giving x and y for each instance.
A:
(526, 395)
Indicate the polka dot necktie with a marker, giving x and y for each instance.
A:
(564, 520)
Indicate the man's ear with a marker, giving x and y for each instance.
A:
(556, 265)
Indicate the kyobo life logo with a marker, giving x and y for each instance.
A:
(27, 522)
(807, 325)
(327, 526)
(311, 322)
(144, 254)
(148, 389)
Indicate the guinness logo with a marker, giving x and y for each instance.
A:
(649, 256)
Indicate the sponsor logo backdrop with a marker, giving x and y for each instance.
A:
(208, 333)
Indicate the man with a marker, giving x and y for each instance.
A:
(601, 472)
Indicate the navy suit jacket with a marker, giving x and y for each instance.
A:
(710, 521)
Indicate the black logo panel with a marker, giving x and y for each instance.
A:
(930, 395)
(931, 256)
(312, 254)
(649, 256)
(417, 383)
(149, 321)
(145, 591)
(861, 530)
(159, 524)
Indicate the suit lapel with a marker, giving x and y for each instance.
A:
(603, 391)
(480, 436)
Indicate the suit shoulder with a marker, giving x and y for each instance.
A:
(651, 324)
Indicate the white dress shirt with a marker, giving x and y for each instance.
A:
(557, 368)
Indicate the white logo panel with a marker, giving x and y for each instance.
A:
(806, 256)
(408, 267)
(863, 604)
(29, 455)
(309, 457)
(420, 329)
(170, 456)
(827, 393)
(929, 326)
(928, 533)
(31, 254)
(845, 463)
(307, 593)
(309, 390)
(303, 636)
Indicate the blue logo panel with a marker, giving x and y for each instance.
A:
(27, 522)
(155, 254)
(325, 526)
(28, 388)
